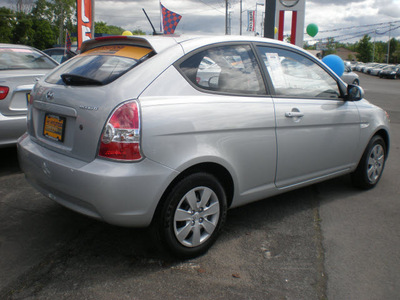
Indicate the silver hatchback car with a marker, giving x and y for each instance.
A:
(137, 131)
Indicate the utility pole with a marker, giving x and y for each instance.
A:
(240, 19)
(388, 52)
(226, 17)
(230, 23)
(255, 21)
(373, 52)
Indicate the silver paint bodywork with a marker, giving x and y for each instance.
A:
(13, 108)
(262, 142)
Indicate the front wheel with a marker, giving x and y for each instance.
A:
(372, 163)
(192, 215)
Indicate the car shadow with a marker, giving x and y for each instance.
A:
(9, 161)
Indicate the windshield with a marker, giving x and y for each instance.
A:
(21, 58)
(99, 66)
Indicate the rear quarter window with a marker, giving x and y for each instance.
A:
(100, 65)
(229, 69)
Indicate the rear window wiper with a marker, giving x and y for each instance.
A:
(72, 79)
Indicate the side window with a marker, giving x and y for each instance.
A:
(294, 75)
(231, 69)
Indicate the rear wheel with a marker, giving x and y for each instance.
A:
(372, 163)
(192, 215)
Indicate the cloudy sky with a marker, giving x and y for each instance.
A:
(346, 20)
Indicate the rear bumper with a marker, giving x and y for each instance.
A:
(124, 194)
(11, 128)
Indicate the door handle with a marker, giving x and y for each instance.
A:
(294, 114)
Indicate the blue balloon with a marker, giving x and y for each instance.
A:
(335, 63)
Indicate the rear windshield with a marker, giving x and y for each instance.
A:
(20, 59)
(99, 66)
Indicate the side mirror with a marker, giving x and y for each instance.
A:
(213, 82)
(354, 92)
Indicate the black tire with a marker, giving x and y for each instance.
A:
(356, 82)
(187, 226)
(371, 165)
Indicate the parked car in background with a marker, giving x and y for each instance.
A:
(390, 72)
(60, 54)
(375, 70)
(149, 144)
(350, 77)
(354, 65)
(359, 67)
(20, 67)
(366, 69)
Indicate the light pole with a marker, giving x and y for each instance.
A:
(255, 23)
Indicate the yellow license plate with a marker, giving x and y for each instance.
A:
(54, 127)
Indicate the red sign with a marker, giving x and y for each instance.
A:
(84, 12)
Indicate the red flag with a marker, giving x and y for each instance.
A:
(84, 12)
(170, 20)
(68, 43)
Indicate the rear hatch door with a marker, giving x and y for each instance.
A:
(70, 107)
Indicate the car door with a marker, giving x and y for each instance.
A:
(229, 118)
(317, 131)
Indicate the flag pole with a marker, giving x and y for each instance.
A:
(161, 20)
(65, 44)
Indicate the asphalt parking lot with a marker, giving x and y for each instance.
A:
(326, 241)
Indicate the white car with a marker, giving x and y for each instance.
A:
(350, 77)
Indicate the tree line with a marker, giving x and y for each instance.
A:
(366, 50)
(43, 24)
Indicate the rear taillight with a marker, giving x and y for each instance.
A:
(3, 92)
(121, 135)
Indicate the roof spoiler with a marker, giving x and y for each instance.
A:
(122, 39)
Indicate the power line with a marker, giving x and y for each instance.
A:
(360, 26)
(352, 35)
(214, 8)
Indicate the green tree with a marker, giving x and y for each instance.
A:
(44, 36)
(364, 49)
(138, 32)
(23, 31)
(331, 47)
(102, 27)
(379, 51)
(393, 54)
(60, 14)
(7, 23)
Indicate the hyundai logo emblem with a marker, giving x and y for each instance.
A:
(50, 95)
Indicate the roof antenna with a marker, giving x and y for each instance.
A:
(154, 30)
